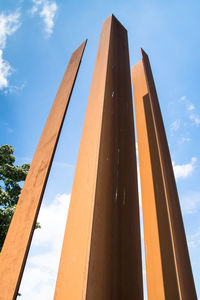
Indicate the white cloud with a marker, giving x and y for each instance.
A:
(183, 171)
(191, 107)
(16, 88)
(136, 149)
(5, 71)
(36, 284)
(6, 126)
(195, 119)
(191, 111)
(185, 139)
(47, 11)
(40, 274)
(190, 202)
(8, 25)
(48, 14)
(36, 5)
(51, 217)
(175, 125)
(194, 239)
(182, 98)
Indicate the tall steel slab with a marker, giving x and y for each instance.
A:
(183, 265)
(169, 274)
(16, 246)
(101, 255)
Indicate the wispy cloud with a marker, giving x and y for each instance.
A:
(185, 170)
(184, 140)
(5, 71)
(190, 202)
(40, 274)
(8, 25)
(175, 126)
(191, 107)
(47, 11)
(16, 88)
(195, 119)
(194, 239)
(191, 111)
(6, 127)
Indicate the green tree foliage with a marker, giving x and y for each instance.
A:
(11, 177)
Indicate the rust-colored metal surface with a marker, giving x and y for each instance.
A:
(166, 251)
(182, 260)
(16, 246)
(101, 255)
(153, 203)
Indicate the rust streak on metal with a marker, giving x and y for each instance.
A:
(17, 243)
(101, 255)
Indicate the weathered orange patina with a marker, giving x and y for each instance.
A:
(101, 255)
(16, 246)
(169, 274)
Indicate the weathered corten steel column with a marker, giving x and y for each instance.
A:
(16, 246)
(101, 255)
(169, 274)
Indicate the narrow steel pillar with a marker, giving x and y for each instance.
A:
(169, 274)
(101, 255)
(16, 246)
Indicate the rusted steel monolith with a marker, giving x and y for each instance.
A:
(169, 273)
(101, 254)
(16, 246)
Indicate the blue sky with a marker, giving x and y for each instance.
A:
(36, 42)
